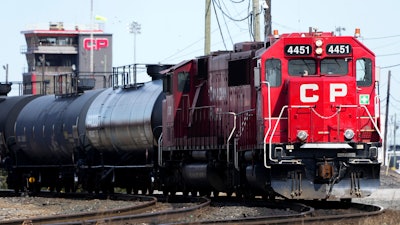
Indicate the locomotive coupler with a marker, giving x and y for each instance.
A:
(325, 170)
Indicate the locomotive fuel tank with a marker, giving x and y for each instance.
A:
(49, 134)
(126, 121)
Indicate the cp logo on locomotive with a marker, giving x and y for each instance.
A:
(309, 92)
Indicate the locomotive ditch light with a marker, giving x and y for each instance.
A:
(302, 135)
(349, 134)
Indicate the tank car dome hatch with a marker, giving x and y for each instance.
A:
(5, 89)
(154, 70)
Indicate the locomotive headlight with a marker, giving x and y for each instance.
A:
(302, 135)
(318, 43)
(318, 50)
(349, 134)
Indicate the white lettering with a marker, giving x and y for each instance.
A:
(303, 93)
(308, 92)
(337, 90)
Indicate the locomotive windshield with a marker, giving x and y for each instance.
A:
(334, 66)
(299, 67)
(329, 66)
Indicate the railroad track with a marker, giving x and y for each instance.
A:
(146, 209)
(314, 213)
(193, 210)
(139, 204)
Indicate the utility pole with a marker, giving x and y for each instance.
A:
(267, 19)
(207, 31)
(386, 123)
(394, 143)
(256, 20)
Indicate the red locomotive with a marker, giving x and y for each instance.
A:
(296, 117)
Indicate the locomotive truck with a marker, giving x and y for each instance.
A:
(296, 116)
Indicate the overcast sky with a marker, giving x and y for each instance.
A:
(173, 30)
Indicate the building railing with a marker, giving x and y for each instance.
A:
(50, 48)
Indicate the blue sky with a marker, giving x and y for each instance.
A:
(173, 30)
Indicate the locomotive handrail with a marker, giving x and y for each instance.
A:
(269, 122)
(273, 132)
(376, 105)
(369, 116)
(230, 137)
(305, 106)
(160, 150)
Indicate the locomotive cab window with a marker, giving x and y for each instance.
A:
(364, 72)
(334, 66)
(183, 82)
(302, 67)
(167, 84)
(273, 72)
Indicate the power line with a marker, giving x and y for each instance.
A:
(390, 54)
(229, 16)
(219, 26)
(379, 38)
(385, 67)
